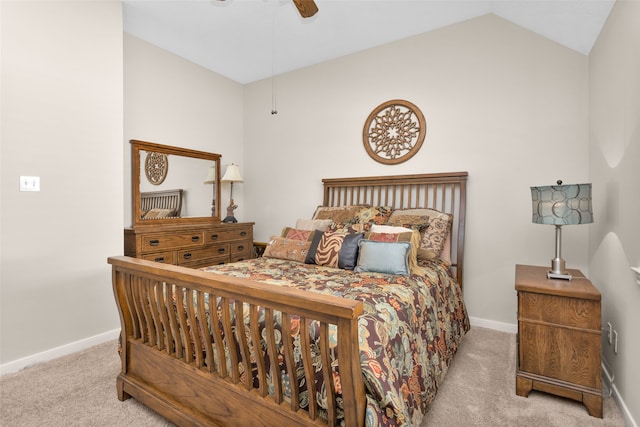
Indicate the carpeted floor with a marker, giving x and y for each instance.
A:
(479, 390)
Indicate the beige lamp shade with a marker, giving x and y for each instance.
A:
(211, 176)
(232, 174)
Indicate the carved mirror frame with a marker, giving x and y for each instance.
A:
(138, 172)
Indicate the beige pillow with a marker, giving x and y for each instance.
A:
(157, 213)
(313, 224)
(434, 237)
(281, 248)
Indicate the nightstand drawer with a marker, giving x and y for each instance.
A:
(175, 240)
(578, 313)
(565, 354)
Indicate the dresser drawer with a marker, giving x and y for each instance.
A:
(174, 240)
(221, 235)
(192, 255)
(168, 257)
(572, 312)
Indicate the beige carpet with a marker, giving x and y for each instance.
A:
(79, 390)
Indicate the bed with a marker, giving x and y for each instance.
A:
(161, 204)
(210, 346)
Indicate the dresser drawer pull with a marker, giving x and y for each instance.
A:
(240, 247)
(159, 259)
(187, 256)
(221, 250)
(243, 233)
(214, 237)
(195, 238)
(240, 259)
(154, 242)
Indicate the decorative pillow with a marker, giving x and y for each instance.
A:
(434, 236)
(384, 257)
(375, 228)
(313, 224)
(415, 222)
(157, 213)
(412, 236)
(337, 250)
(337, 213)
(293, 250)
(347, 227)
(373, 215)
(296, 234)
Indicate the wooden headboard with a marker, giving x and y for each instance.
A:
(445, 192)
(166, 199)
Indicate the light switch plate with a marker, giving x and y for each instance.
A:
(29, 183)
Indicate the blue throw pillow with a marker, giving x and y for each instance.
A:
(383, 257)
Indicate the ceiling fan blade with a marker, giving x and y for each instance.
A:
(307, 8)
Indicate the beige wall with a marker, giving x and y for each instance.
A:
(169, 100)
(614, 147)
(62, 121)
(504, 104)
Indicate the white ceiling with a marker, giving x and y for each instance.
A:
(248, 40)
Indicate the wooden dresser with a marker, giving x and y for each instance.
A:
(191, 245)
(559, 337)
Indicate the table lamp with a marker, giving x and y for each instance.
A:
(231, 175)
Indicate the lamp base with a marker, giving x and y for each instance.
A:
(563, 276)
(229, 219)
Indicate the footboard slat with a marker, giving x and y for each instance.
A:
(272, 351)
(256, 343)
(204, 332)
(241, 338)
(197, 329)
(214, 326)
(309, 373)
(328, 372)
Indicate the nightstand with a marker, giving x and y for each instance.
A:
(559, 337)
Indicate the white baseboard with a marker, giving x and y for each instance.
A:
(54, 353)
(628, 418)
(492, 324)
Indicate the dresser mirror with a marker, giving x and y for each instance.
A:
(173, 185)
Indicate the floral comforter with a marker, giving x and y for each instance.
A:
(410, 329)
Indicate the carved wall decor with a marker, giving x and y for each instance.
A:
(156, 166)
(394, 132)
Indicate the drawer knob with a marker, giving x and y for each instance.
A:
(214, 237)
(187, 256)
(240, 247)
(221, 250)
(159, 259)
(243, 233)
(154, 242)
(195, 238)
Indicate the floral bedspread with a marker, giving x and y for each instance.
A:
(410, 329)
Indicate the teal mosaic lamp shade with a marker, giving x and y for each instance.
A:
(560, 205)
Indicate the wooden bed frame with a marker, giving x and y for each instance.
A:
(166, 199)
(162, 369)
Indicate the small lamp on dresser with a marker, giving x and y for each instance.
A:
(561, 205)
(231, 175)
(211, 179)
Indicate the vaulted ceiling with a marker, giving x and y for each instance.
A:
(248, 40)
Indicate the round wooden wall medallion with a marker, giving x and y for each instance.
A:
(394, 132)
(156, 166)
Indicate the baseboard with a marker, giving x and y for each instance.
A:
(54, 353)
(628, 418)
(492, 324)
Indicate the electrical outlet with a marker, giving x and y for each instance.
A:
(615, 342)
(609, 332)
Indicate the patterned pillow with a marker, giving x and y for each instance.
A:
(434, 236)
(281, 248)
(296, 234)
(373, 215)
(158, 213)
(337, 250)
(347, 227)
(337, 213)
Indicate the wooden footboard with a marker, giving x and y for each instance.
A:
(175, 360)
